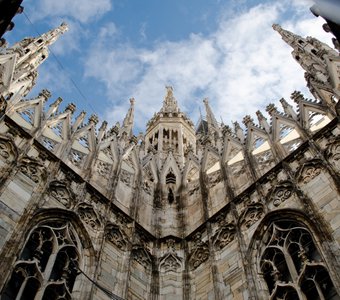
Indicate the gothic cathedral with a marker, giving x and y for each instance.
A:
(213, 212)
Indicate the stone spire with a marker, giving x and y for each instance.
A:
(29, 48)
(309, 52)
(289, 37)
(128, 120)
(20, 62)
(211, 120)
(170, 103)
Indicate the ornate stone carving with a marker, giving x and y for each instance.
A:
(103, 169)
(224, 235)
(7, 150)
(281, 192)
(250, 215)
(60, 191)
(170, 262)
(309, 171)
(126, 177)
(88, 215)
(142, 256)
(32, 169)
(117, 236)
(200, 252)
(333, 153)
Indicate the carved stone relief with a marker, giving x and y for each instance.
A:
(170, 262)
(60, 191)
(32, 169)
(7, 151)
(250, 215)
(142, 256)
(309, 171)
(224, 235)
(200, 252)
(88, 215)
(117, 237)
(333, 153)
(281, 193)
(103, 169)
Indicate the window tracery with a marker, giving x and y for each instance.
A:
(291, 264)
(47, 265)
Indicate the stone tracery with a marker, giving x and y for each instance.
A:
(47, 265)
(292, 265)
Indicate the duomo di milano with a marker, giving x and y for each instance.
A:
(213, 212)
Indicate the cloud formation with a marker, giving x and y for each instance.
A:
(80, 10)
(241, 67)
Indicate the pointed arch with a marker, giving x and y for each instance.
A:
(170, 164)
(49, 254)
(287, 253)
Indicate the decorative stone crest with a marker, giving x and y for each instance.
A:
(32, 169)
(281, 192)
(250, 215)
(200, 252)
(88, 215)
(309, 171)
(7, 150)
(333, 153)
(142, 256)
(117, 237)
(224, 235)
(170, 262)
(60, 191)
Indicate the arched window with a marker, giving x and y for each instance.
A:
(47, 265)
(291, 264)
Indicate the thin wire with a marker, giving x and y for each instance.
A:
(63, 68)
(106, 291)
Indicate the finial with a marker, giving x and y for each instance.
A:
(71, 107)
(296, 96)
(260, 115)
(284, 103)
(93, 119)
(276, 27)
(227, 130)
(271, 109)
(248, 120)
(103, 126)
(46, 94)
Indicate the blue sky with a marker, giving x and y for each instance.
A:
(117, 49)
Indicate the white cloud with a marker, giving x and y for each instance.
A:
(81, 10)
(241, 67)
